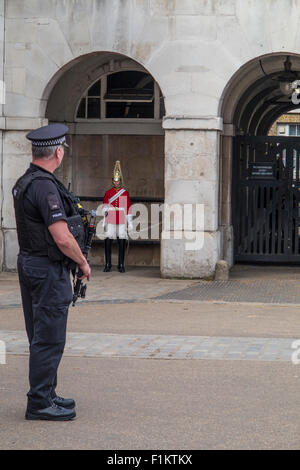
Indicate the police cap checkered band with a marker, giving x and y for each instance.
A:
(49, 143)
(46, 136)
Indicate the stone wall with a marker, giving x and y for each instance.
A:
(2, 14)
(192, 48)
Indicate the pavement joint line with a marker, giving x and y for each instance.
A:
(234, 302)
(162, 346)
(166, 357)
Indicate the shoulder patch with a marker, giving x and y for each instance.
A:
(53, 202)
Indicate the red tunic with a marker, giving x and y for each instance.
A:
(122, 202)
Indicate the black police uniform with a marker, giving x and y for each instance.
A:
(44, 274)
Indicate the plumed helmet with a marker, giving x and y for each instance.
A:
(117, 174)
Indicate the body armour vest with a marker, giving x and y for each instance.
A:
(33, 236)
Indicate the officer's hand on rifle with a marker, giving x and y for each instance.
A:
(85, 270)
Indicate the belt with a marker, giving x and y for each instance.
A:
(27, 253)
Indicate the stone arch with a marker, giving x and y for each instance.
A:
(254, 88)
(96, 144)
(251, 101)
(65, 88)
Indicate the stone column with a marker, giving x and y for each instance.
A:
(192, 177)
(16, 157)
(15, 161)
(226, 228)
(2, 97)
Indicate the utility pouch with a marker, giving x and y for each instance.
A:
(76, 227)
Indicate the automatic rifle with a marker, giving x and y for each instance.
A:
(88, 219)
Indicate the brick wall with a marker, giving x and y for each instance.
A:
(293, 118)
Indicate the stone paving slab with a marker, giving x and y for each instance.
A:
(137, 284)
(136, 289)
(163, 346)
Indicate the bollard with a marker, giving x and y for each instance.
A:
(222, 271)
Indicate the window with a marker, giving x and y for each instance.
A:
(294, 129)
(89, 106)
(122, 95)
(288, 129)
(129, 95)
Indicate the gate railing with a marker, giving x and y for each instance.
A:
(266, 198)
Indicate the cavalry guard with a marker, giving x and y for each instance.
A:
(116, 209)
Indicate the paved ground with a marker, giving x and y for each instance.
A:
(165, 346)
(158, 364)
(264, 284)
(138, 285)
(126, 403)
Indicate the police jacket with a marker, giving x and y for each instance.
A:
(40, 199)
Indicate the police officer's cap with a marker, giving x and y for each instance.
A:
(51, 135)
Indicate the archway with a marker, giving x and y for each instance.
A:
(259, 175)
(113, 108)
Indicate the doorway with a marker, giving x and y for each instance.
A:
(266, 199)
(114, 109)
(259, 173)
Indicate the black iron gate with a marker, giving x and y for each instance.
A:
(266, 198)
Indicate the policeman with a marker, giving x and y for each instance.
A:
(47, 250)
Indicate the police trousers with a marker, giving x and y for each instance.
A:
(46, 293)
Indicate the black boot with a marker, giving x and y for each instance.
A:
(52, 413)
(107, 247)
(67, 403)
(122, 244)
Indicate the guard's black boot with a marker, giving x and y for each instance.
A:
(67, 403)
(122, 244)
(52, 413)
(107, 248)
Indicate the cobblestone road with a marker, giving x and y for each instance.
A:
(164, 346)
